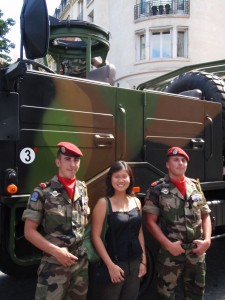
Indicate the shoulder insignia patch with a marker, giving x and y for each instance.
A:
(34, 196)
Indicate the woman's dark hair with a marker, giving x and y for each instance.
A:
(116, 167)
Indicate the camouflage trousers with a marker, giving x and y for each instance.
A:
(189, 267)
(56, 282)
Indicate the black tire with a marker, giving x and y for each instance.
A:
(7, 264)
(148, 282)
(211, 86)
(10, 269)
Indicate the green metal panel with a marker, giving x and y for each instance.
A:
(70, 110)
(183, 122)
(129, 125)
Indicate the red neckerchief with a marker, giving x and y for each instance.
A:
(69, 185)
(181, 185)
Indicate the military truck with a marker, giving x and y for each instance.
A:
(79, 103)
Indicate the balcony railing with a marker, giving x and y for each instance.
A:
(157, 8)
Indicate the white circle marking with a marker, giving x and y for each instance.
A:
(27, 155)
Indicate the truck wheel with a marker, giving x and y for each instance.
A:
(211, 86)
(18, 271)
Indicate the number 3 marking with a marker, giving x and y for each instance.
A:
(27, 155)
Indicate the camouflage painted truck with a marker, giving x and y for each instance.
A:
(40, 107)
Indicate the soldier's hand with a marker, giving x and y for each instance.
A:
(175, 248)
(202, 246)
(64, 257)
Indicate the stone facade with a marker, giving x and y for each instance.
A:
(137, 35)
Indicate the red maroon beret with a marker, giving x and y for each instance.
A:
(69, 149)
(174, 151)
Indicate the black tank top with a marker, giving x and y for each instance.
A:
(126, 227)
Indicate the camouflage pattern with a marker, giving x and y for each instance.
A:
(58, 282)
(180, 219)
(62, 223)
(170, 268)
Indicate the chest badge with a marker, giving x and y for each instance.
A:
(197, 200)
(165, 191)
(54, 193)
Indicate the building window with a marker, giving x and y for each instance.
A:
(63, 4)
(161, 44)
(182, 43)
(180, 5)
(141, 44)
(143, 7)
(80, 10)
(91, 17)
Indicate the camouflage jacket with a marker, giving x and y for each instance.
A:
(179, 217)
(62, 221)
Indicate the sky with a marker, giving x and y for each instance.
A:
(12, 9)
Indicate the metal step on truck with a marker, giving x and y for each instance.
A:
(79, 103)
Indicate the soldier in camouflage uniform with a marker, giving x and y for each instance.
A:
(60, 208)
(177, 215)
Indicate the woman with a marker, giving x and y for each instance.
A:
(124, 236)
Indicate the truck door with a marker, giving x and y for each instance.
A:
(171, 120)
(129, 125)
(53, 109)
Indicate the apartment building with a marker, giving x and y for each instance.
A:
(151, 38)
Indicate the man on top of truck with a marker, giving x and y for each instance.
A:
(60, 208)
(183, 231)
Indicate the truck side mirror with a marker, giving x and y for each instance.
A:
(34, 27)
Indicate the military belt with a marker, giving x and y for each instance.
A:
(189, 246)
(77, 249)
